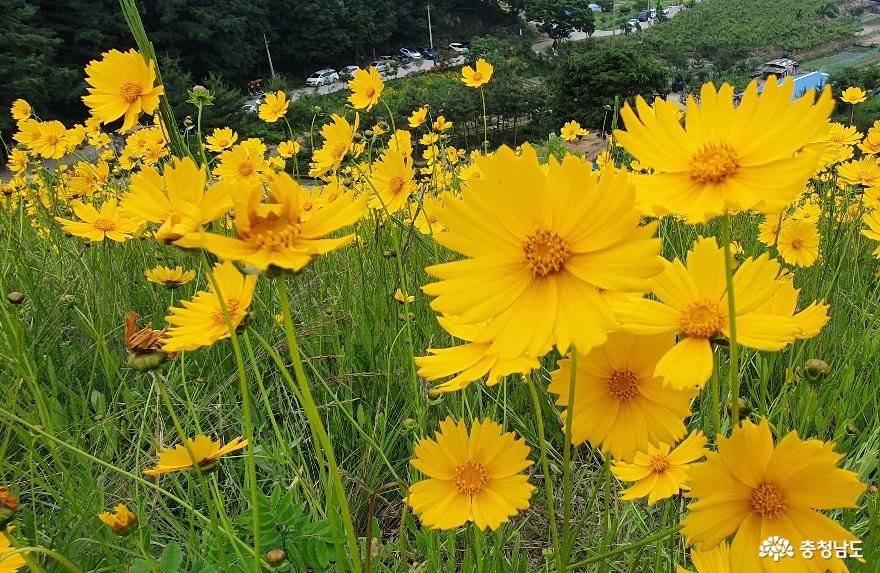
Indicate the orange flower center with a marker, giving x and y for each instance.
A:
(104, 225)
(470, 477)
(768, 500)
(219, 319)
(395, 185)
(659, 463)
(623, 385)
(546, 252)
(130, 91)
(797, 244)
(273, 232)
(51, 139)
(702, 320)
(245, 169)
(714, 163)
(478, 76)
(370, 91)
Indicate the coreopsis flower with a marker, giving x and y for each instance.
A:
(615, 383)
(88, 178)
(572, 130)
(108, 223)
(74, 137)
(200, 451)
(144, 345)
(539, 245)
(20, 110)
(202, 321)
(784, 302)
(798, 243)
(272, 233)
(841, 134)
(122, 85)
(700, 173)
(10, 563)
(475, 78)
(288, 148)
(176, 198)
(274, 107)
(402, 297)
(18, 160)
(338, 141)
(441, 124)
(418, 117)
(51, 142)
(752, 489)
(243, 165)
(366, 88)
(809, 212)
(864, 171)
(853, 95)
(712, 561)
(692, 301)
(28, 132)
(872, 220)
(871, 144)
(168, 277)
(220, 139)
(392, 181)
(768, 230)
(659, 473)
(121, 520)
(471, 477)
(425, 219)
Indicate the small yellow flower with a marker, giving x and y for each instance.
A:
(288, 149)
(169, 277)
(220, 139)
(20, 110)
(853, 95)
(10, 564)
(441, 124)
(201, 451)
(96, 225)
(121, 520)
(366, 87)
(418, 117)
(572, 130)
(475, 78)
(660, 473)
(402, 297)
(52, 142)
(275, 107)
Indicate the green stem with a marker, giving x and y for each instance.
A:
(566, 461)
(485, 123)
(731, 308)
(625, 548)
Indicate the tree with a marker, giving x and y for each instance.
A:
(661, 15)
(587, 81)
(559, 18)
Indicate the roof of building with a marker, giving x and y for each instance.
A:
(804, 83)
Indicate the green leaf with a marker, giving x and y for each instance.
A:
(171, 558)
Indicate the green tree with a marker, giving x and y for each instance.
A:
(661, 15)
(559, 18)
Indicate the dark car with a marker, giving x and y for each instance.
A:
(428, 53)
(644, 16)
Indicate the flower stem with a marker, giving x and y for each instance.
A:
(566, 463)
(311, 411)
(485, 123)
(625, 548)
(731, 307)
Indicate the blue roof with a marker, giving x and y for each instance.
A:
(595, 7)
(804, 83)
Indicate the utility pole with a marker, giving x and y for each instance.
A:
(269, 54)
(430, 32)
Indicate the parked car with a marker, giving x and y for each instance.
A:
(428, 53)
(347, 72)
(667, 10)
(633, 23)
(644, 16)
(411, 54)
(458, 47)
(250, 108)
(383, 66)
(322, 78)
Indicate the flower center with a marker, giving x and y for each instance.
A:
(273, 232)
(623, 385)
(702, 320)
(395, 185)
(714, 163)
(245, 169)
(232, 305)
(130, 91)
(546, 252)
(797, 244)
(477, 76)
(659, 463)
(470, 477)
(104, 225)
(370, 91)
(51, 139)
(768, 500)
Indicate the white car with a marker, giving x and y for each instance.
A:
(458, 47)
(633, 23)
(382, 66)
(322, 78)
(347, 72)
(411, 54)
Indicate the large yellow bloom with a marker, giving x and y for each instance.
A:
(274, 234)
(572, 130)
(475, 78)
(108, 223)
(728, 156)
(864, 171)
(853, 95)
(659, 473)
(201, 321)
(338, 139)
(392, 181)
(712, 561)
(121, 85)
(220, 139)
(541, 241)
(618, 401)
(366, 88)
(692, 301)
(754, 490)
(244, 164)
(275, 107)
(176, 198)
(798, 243)
(472, 477)
(203, 452)
(13, 563)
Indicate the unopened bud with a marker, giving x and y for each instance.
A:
(743, 409)
(851, 429)
(146, 361)
(409, 423)
(389, 254)
(15, 297)
(816, 368)
(66, 299)
(317, 110)
(276, 557)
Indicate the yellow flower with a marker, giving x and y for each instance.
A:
(713, 561)
(659, 473)
(844, 134)
(692, 301)
(426, 221)
(121, 520)
(471, 477)
(475, 78)
(108, 223)
(872, 220)
(275, 107)
(441, 124)
(539, 245)
(366, 87)
(200, 451)
(392, 179)
(864, 171)
(244, 164)
(18, 160)
(274, 234)
(338, 139)
(809, 321)
(52, 143)
(572, 130)
(752, 490)
(615, 383)
(288, 149)
(768, 230)
(418, 117)
(28, 132)
(10, 564)
(88, 178)
(716, 163)
(168, 277)
(853, 95)
(402, 297)
(201, 321)
(121, 85)
(176, 198)
(20, 110)
(220, 139)
(798, 243)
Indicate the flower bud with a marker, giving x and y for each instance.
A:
(852, 429)
(316, 110)
(743, 409)
(276, 557)
(15, 297)
(121, 520)
(146, 361)
(816, 368)
(8, 506)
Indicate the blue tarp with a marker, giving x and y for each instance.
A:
(804, 83)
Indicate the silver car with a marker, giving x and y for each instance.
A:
(322, 78)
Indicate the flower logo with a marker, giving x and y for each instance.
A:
(776, 547)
